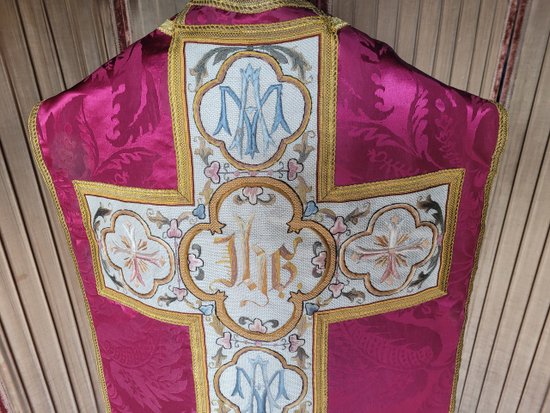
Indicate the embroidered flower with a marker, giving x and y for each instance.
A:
(294, 168)
(336, 289)
(180, 293)
(258, 326)
(320, 260)
(212, 171)
(174, 231)
(194, 262)
(295, 343)
(225, 341)
(339, 226)
(252, 194)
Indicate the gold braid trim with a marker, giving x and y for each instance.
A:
(254, 6)
(499, 148)
(41, 165)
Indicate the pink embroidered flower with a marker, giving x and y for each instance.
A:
(180, 293)
(295, 343)
(257, 325)
(174, 231)
(252, 194)
(294, 168)
(225, 341)
(339, 226)
(194, 262)
(336, 289)
(212, 172)
(320, 260)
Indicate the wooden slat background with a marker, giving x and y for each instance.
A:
(46, 358)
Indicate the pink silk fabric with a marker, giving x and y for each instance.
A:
(393, 121)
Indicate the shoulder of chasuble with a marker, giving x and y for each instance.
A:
(270, 211)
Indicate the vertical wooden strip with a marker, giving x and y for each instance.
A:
(520, 108)
(10, 372)
(533, 394)
(524, 267)
(446, 40)
(527, 377)
(366, 15)
(499, 266)
(387, 21)
(428, 34)
(406, 34)
(465, 43)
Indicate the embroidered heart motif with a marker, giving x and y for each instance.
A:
(194, 262)
(212, 172)
(336, 289)
(257, 325)
(295, 342)
(180, 293)
(207, 310)
(174, 231)
(339, 227)
(311, 209)
(225, 341)
(294, 168)
(311, 308)
(200, 211)
(252, 193)
(320, 260)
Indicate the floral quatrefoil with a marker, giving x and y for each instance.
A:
(387, 254)
(144, 261)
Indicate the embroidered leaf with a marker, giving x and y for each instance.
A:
(219, 358)
(301, 358)
(183, 217)
(302, 188)
(353, 295)
(157, 218)
(356, 214)
(204, 151)
(207, 191)
(302, 326)
(428, 204)
(303, 148)
(328, 212)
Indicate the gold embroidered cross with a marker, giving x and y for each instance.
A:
(258, 251)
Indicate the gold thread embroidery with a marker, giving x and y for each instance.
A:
(192, 321)
(499, 148)
(370, 229)
(282, 78)
(111, 230)
(296, 224)
(167, 27)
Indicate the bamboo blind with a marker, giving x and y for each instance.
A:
(46, 358)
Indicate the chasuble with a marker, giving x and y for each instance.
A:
(270, 211)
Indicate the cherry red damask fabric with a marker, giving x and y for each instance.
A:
(393, 121)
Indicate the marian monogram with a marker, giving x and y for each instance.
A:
(258, 251)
